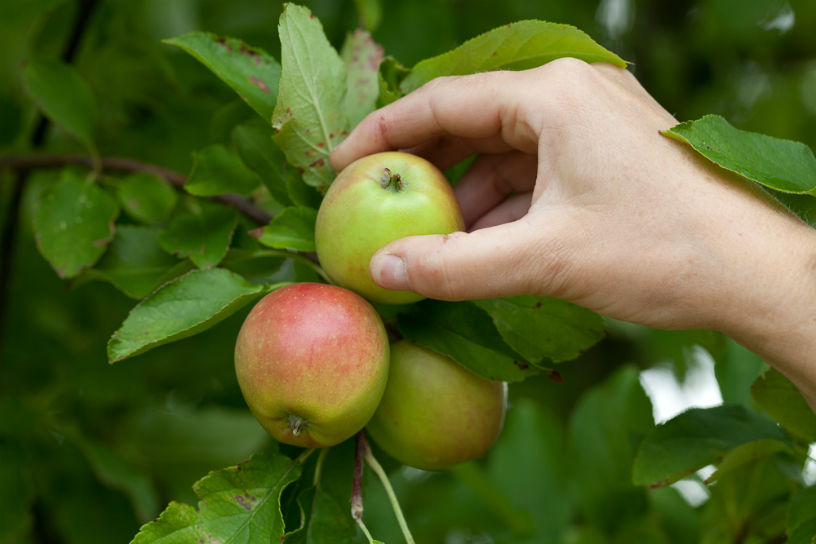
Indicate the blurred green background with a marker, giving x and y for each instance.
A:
(89, 451)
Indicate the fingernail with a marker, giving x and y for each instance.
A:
(389, 272)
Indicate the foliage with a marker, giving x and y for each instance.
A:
(121, 98)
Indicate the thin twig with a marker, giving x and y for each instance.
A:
(357, 486)
(389, 490)
(115, 164)
(25, 163)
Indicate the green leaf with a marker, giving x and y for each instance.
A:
(300, 193)
(292, 229)
(747, 454)
(238, 504)
(783, 165)
(146, 198)
(253, 141)
(542, 328)
(73, 223)
(362, 57)
(531, 448)
(326, 505)
(203, 233)
(259, 152)
(780, 398)
(328, 520)
(261, 265)
(605, 427)
(696, 438)
(184, 307)
(389, 78)
(369, 12)
(63, 96)
(135, 263)
(218, 170)
(801, 526)
(516, 46)
(308, 115)
(466, 334)
(250, 71)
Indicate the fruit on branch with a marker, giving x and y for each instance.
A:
(375, 200)
(312, 363)
(435, 413)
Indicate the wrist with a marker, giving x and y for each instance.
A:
(770, 307)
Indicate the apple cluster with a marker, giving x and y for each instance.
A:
(314, 361)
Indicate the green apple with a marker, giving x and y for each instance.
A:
(435, 413)
(312, 362)
(376, 200)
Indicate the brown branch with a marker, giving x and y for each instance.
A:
(25, 163)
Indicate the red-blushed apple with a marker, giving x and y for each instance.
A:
(435, 413)
(312, 362)
(376, 200)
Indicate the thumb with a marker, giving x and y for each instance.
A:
(492, 262)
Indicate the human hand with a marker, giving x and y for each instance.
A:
(576, 195)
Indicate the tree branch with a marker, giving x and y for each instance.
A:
(25, 163)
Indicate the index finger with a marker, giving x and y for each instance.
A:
(481, 108)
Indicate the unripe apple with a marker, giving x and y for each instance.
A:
(376, 200)
(435, 413)
(312, 363)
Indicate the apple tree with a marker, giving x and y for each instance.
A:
(161, 172)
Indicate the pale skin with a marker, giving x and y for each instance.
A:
(577, 195)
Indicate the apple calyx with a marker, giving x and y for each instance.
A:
(391, 181)
(296, 423)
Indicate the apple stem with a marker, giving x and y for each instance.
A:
(392, 497)
(392, 181)
(319, 466)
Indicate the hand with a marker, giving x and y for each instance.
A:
(575, 194)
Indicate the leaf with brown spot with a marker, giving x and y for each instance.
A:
(362, 56)
(250, 71)
(237, 504)
(312, 88)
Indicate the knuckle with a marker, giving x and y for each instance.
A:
(571, 85)
(433, 86)
(570, 68)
